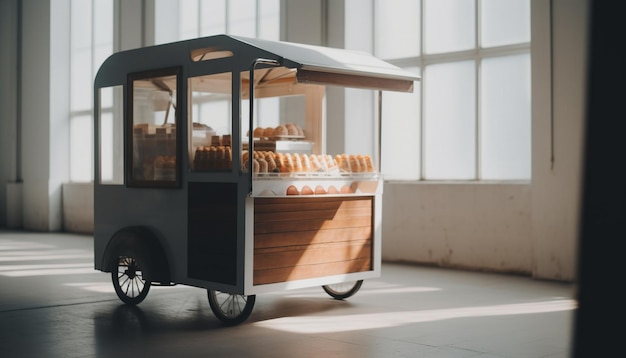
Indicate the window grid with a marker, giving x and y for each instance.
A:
(477, 54)
(82, 170)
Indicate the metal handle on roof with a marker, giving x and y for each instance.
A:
(256, 62)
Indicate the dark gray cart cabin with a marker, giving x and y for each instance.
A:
(190, 189)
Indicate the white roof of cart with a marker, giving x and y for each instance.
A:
(337, 66)
(312, 64)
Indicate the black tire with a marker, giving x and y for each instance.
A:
(127, 275)
(229, 308)
(340, 291)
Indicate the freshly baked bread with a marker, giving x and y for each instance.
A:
(369, 164)
(268, 132)
(263, 165)
(291, 129)
(280, 131)
(300, 131)
(258, 132)
(306, 163)
(297, 163)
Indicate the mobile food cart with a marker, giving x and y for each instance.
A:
(190, 188)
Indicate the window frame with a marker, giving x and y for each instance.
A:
(128, 126)
(477, 55)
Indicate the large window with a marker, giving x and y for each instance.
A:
(91, 43)
(469, 118)
(186, 19)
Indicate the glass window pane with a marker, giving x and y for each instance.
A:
(80, 13)
(269, 20)
(154, 122)
(401, 134)
(505, 118)
(213, 17)
(242, 17)
(397, 32)
(188, 19)
(210, 145)
(449, 25)
(504, 22)
(81, 152)
(359, 117)
(111, 136)
(103, 23)
(450, 121)
(81, 80)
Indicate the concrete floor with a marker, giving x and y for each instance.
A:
(53, 304)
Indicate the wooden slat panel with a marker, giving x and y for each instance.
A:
(298, 238)
(307, 225)
(313, 214)
(311, 254)
(311, 237)
(310, 271)
(273, 205)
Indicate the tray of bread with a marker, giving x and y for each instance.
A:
(288, 131)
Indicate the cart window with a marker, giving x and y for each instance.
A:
(153, 135)
(210, 119)
(111, 132)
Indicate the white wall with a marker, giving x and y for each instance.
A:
(484, 226)
(529, 228)
(8, 106)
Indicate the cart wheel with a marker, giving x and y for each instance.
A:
(128, 281)
(340, 291)
(230, 308)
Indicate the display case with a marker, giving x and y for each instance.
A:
(226, 182)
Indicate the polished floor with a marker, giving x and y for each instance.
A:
(53, 304)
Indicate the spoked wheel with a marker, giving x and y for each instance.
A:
(128, 280)
(230, 308)
(343, 290)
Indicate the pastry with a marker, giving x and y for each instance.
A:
(291, 129)
(263, 165)
(271, 165)
(300, 131)
(369, 164)
(306, 163)
(292, 190)
(343, 163)
(280, 131)
(297, 163)
(258, 132)
(355, 166)
(315, 164)
(289, 165)
(268, 132)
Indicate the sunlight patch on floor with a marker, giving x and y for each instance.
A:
(356, 322)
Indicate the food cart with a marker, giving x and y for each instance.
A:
(191, 189)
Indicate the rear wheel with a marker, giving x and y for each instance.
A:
(230, 308)
(343, 290)
(128, 279)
